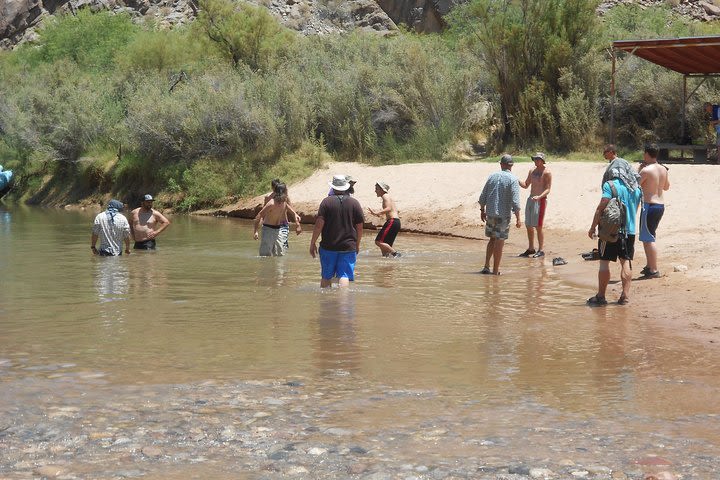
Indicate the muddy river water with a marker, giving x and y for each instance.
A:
(202, 360)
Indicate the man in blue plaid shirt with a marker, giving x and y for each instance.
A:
(500, 198)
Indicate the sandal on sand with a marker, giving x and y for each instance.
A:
(539, 254)
(649, 274)
(527, 253)
(623, 300)
(559, 261)
(596, 301)
(645, 270)
(485, 271)
(594, 255)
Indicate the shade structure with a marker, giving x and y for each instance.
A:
(692, 56)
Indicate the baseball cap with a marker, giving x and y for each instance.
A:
(147, 198)
(506, 159)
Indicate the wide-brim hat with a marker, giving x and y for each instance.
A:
(383, 186)
(339, 183)
(538, 156)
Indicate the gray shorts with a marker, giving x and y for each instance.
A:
(497, 227)
(273, 242)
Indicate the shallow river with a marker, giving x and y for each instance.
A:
(203, 358)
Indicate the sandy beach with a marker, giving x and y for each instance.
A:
(441, 199)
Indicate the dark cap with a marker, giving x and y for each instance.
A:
(147, 198)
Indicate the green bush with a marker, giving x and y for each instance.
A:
(88, 39)
(204, 183)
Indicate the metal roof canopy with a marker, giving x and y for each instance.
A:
(690, 56)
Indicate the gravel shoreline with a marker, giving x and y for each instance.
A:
(80, 426)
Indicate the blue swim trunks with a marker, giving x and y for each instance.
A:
(337, 264)
(649, 220)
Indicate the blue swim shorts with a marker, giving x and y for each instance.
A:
(649, 220)
(337, 264)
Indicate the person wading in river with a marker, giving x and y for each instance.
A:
(146, 224)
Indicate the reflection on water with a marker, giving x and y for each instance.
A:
(206, 307)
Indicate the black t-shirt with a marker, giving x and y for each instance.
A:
(341, 213)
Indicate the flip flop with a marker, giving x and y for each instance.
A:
(485, 271)
(527, 253)
(559, 261)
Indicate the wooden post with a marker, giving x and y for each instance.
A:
(612, 99)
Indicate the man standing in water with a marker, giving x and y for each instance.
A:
(501, 196)
(386, 236)
(340, 222)
(273, 217)
(539, 180)
(654, 181)
(147, 223)
(112, 229)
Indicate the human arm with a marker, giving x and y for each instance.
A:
(93, 243)
(527, 181)
(387, 208)
(162, 221)
(298, 227)
(359, 230)
(258, 219)
(547, 183)
(317, 230)
(666, 187)
(596, 217)
(516, 203)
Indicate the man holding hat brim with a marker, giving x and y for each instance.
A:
(500, 198)
(339, 222)
(146, 224)
(539, 180)
(112, 229)
(386, 236)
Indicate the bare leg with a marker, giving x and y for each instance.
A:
(651, 256)
(489, 251)
(386, 249)
(325, 283)
(603, 277)
(531, 239)
(497, 254)
(541, 238)
(344, 282)
(625, 277)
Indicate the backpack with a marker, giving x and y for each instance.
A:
(612, 220)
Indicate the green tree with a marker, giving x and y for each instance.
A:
(527, 45)
(245, 34)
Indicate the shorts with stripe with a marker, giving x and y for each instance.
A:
(389, 231)
(535, 212)
(649, 220)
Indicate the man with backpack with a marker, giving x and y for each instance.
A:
(616, 216)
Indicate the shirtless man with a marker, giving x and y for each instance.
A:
(146, 223)
(539, 180)
(386, 236)
(654, 181)
(274, 217)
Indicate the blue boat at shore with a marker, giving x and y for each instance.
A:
(5, 178)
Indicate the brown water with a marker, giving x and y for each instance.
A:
(520, 356)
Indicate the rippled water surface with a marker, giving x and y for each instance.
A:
(515, 350)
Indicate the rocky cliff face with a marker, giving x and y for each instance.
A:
(19, 18)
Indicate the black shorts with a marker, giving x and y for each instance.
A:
(145, 245)
(624, 248)
(389, 231)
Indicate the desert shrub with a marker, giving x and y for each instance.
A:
(207, 116)
(244, 33)
(87, 39)
(204, 183)
(525, 46)
(163, 52)
(60, 110)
